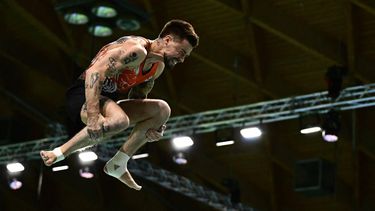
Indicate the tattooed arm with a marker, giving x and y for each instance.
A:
(130, 54)
(141, 91)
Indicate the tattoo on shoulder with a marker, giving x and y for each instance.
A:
(111, 65)
(122, 40)
(132, 57)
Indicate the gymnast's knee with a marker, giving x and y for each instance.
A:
(119, 123)
(164, 111)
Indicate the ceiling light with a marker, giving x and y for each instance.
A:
(15, 184)
(127, 24)
(331, 126)
(310, 130)
(76, 18)
(139, 156)
(104, 11)
(309, 123)
(15, 167)
(86, 173)
(60, 168)
(182, 142)
(224, 137)
(180, 159)
(252, 132)
(224, 143)
(100, 30)
(87, 156)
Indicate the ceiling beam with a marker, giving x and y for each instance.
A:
(39, 27)
(265, 16)
(218, 65)
(65, 29)
(351, 52)
(367, 5)
(259, 72)
(253, 45)
(314, 42)
(20, 104)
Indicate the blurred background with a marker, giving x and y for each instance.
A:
(256, 60)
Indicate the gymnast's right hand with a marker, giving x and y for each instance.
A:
(95, 127)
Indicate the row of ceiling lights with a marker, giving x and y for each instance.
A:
(309, 124)
(102, 19)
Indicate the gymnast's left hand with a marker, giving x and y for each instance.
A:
(155, 134)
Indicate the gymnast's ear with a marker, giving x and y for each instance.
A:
(167, 38)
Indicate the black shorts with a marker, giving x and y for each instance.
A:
(75, 98)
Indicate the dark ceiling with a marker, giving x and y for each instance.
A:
(250, 51)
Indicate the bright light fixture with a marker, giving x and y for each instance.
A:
(60, 168)
(104, 11)
(329, 137)
(86, 173)
(76, 18)
(182, 142)
(252, 132)
(224, 143)
(15, 167)
(100, 30)
(139, 156)
(15, 184)
(128, 24)
(310, 130)
(87, 156)
(180, 159)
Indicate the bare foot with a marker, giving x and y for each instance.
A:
(48, 157)
(126, 178)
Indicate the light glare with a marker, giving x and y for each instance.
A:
(87, 156)
(15, 167)
(224, 143)
(310, 130)
(252, 132)
(15, 184)
(60, 168)
(139, 156)
(182, 142)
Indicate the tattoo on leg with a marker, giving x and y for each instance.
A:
(94, 78)
(131, 58)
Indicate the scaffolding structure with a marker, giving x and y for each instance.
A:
(204, 122)
(209, 121)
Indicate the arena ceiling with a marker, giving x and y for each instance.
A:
(250, 51)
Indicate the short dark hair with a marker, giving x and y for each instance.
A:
(182, 30)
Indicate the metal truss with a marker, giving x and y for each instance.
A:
(209, 121)
(176, 183)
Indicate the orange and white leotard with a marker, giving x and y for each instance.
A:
(128, 79)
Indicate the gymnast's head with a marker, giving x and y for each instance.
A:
(178, 39)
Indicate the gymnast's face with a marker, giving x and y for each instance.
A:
(175, 51)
